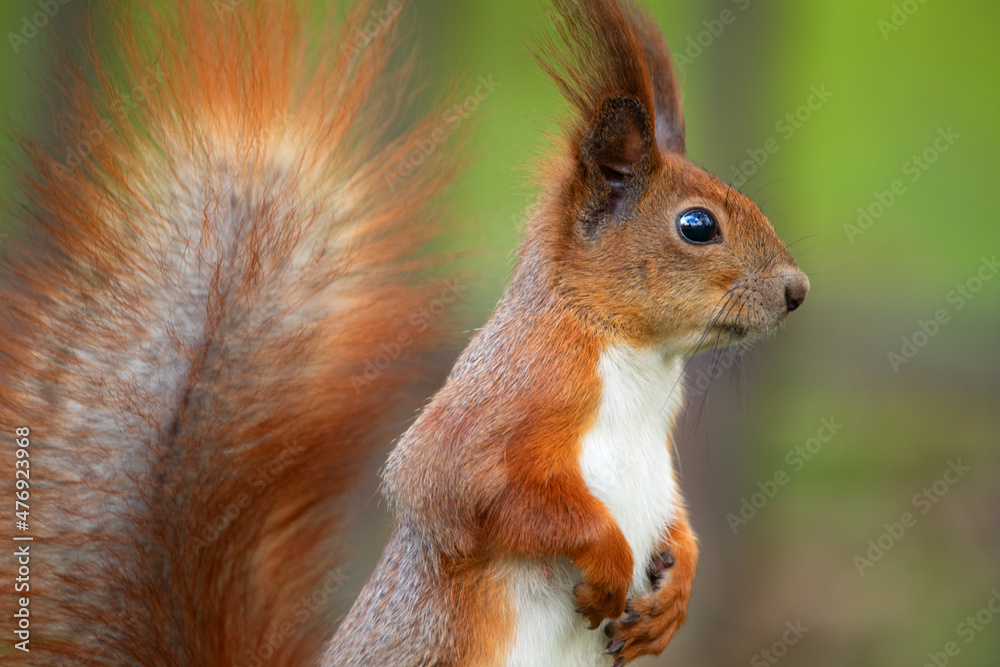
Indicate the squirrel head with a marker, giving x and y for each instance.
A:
(652, 247)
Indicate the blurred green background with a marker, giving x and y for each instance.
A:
(886, 184)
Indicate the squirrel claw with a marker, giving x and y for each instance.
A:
(657, 569)
(650, 621)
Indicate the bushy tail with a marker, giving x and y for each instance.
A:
(192, 335)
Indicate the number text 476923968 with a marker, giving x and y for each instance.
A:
(22, 539)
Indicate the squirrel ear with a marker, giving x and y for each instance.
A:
(617, 154)
(666, 93)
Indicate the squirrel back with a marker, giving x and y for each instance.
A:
(214, 255)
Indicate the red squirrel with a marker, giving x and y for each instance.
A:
(222, 258)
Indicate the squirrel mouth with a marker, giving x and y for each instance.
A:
(737, 331)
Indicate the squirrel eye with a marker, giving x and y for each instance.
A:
(698, 226)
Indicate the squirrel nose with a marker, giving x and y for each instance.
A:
(796, 288)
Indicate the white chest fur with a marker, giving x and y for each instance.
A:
(626, 463)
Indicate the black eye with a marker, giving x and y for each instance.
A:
(698, 226)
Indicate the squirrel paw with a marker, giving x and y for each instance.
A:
(598, 602)
(650, 621)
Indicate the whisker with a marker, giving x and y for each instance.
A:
(801, 238)
(729, 185)
(718, 352)
(719, 310)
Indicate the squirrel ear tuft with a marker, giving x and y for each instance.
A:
(617, 154)
(666, 93)
(611, 62)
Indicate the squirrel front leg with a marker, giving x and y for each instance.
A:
(653, 619)
(560, 517)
